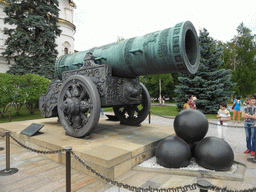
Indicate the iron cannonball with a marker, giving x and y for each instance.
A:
(192, 146)
(191, 125)
(214, 153)
(173, 152)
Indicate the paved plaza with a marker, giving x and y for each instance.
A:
(37, 173)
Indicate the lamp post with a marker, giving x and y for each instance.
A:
(160, 96)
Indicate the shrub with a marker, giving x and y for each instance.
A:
(19, 95)
(7, 91)
(34, 85)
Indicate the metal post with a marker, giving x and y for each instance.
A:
(8, 170)
(8, 151)
(68, 168)
(160, 96)
(149, 117)
(203, 185)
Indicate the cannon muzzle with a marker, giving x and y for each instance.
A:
(172, 49)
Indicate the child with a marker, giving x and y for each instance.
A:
(192, 103)
(186, 105)
(224, 116)
(249, 115)
(236, 111)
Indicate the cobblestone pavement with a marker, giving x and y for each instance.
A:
(37, 173)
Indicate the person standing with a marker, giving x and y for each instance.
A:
(246, 102)
(186, 105)
(249, 115)
(163, 100)
(236, 111)
(192, 103)
(224, 116)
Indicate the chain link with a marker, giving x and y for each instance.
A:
(224, 189)
(36, 150)
(129, 187)
(2, 135)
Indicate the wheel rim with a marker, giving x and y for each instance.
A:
(79, 106)
(134, 114)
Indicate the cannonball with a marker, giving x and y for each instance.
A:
(192, 146)
(214, 153)
(173, 152)
(191, 125)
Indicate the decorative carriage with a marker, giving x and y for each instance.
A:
(108, 76)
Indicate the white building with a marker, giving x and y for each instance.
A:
(65, 41)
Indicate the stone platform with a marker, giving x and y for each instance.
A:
(113, 149)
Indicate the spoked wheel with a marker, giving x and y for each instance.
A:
(134, 114)
(79, 106)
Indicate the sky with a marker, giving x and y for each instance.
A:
(100, 22)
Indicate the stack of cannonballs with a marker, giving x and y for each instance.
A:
(191, 126)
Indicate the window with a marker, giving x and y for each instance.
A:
(65, 50)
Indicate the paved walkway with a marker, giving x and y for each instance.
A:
(37, 173)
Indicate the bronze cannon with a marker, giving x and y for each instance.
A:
(108, 76)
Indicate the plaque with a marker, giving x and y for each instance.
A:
(31, 129)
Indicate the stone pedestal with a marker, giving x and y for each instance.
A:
(112, 150)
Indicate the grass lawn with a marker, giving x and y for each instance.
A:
(23, 116)
(163, 110)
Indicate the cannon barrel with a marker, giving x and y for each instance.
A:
(169, 50)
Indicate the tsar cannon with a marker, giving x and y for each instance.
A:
(108, 76)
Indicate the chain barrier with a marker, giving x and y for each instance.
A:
(130, 187)
(36, 150)
(209, 121)
(2, 135)
(224, 189)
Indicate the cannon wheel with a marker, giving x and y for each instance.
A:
(134, 114)
(79, 106)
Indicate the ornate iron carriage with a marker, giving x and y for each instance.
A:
(108, 76)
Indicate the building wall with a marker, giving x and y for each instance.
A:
(65, 41)
(4, 65)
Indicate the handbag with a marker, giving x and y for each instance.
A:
(233, 106)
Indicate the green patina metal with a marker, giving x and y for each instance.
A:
(166, 51)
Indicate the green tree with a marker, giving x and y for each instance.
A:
(229, 55)
(120, 38)
(211, 85)
(32, 42)
(7, 90)
(34, 86)
(239, 55)
(19, 95)
(168, 81)
(244, 72)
